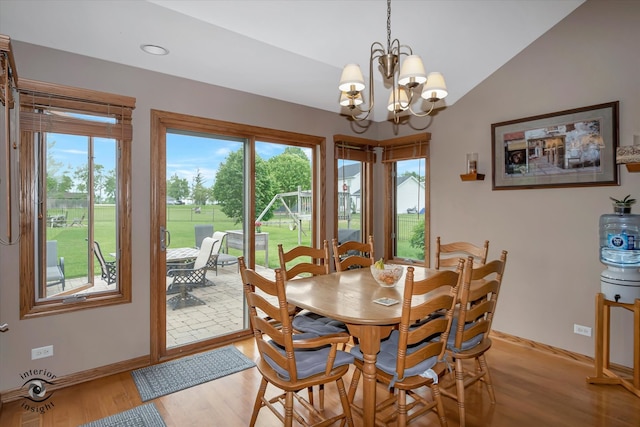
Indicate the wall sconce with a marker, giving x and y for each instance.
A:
(472, 169)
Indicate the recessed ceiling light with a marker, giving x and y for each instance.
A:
(154, 49)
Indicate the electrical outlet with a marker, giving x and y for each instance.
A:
(582, 330)
(41, 352)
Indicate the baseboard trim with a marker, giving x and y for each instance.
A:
(577, 357)
(140, 362)
(83, 376)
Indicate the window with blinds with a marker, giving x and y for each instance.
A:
(75, 160)
(353, 165)
(406, 193)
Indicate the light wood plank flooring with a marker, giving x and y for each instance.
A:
(533, 389)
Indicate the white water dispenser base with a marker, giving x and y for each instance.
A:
(620, 284)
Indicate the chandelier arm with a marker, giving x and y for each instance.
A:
(389, 60)
(422, 113)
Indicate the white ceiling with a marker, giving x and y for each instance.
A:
(287, 49)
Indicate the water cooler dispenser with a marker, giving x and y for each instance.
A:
(620, 252)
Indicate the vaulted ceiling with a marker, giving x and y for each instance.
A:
(285, 49)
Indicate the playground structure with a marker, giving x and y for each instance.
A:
(304, 206)
(303, 209)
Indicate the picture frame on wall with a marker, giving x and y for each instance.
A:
(571, 148)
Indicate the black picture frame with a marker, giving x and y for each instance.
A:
(571, 148)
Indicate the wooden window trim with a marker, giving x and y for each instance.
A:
(362, 150)
(34, 95)
(393, 150)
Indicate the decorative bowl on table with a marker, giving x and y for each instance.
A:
(388, 275)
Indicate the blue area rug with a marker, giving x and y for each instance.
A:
(175, 375)
(142, 416)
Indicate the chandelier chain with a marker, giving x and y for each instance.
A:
(388, 26)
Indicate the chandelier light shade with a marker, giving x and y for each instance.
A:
(398, 100)
(347, 101)
(435, 89)
(412, 73)
(406, 73)
(352, 79)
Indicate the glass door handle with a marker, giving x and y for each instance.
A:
(165, 239)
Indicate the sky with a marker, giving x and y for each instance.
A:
(188, 153)
(185, 154)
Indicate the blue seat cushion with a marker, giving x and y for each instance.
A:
(317, 324)
(309, 362)
(466, 345)
(388, 356)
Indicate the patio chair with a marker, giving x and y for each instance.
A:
(55, 265)
(218, 257)
(185, 279)
(202, 231)
(291, 362)
(77, 221)
(108, 269)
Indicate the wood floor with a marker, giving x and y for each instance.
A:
(533, 389)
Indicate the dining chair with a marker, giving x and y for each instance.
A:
(447, 254)
(413, 355)
(469, 339)
(186, 278)
(291, 362)
(108, 268)
(309, 261)
(304, 260)
(201, 231)
(353, 254)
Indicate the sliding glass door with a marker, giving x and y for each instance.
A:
(220, 191)
(204, 199)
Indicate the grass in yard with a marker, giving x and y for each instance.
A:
(73, 240)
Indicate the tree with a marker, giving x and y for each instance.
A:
(296, 151)
(417, 238)
(110, 187)
(228, 189)
(53, 167)
(81, 176)
(289, 171)
(178, 188)
(199, 193)
(419, 178)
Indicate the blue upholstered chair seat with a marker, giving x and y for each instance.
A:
(387, 357)
(309, 362)
(317, 324)
(466, 345)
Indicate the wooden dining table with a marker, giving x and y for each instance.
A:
(349, 296)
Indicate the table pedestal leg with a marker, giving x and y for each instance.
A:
(369, 337)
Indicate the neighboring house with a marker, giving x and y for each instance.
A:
(410, 195)
(349, 175)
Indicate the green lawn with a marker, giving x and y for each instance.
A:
(72, 243)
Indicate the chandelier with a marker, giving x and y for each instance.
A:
(404, 84)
